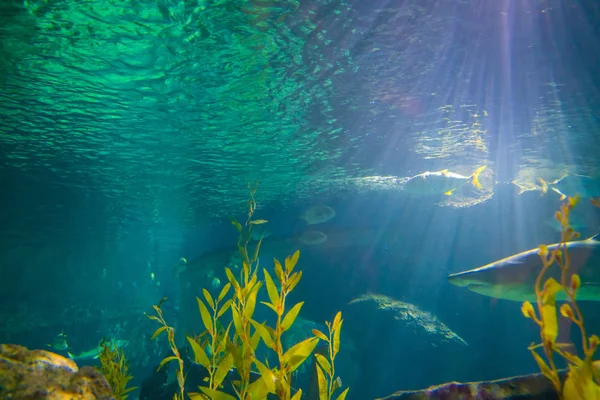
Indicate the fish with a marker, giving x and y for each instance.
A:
(571, 185)
(60, 342)
(441, 182)
(317, 214)
(94, 353)
(311, 237)
(514, 277)
(260, 232)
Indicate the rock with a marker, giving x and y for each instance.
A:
(401, 346)
(40, 374)
(527, 387)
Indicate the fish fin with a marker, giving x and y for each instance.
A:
(71, 356)
(595, 238)
(475, 177)
(444, 172)
(562, 195)
(449, 192)
(544, 185)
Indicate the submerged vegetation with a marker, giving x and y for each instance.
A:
(115, 367)
(583, 380)
(220, 348)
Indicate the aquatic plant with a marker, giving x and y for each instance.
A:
(171, 340)
(115, 368)
(330, 383)
(237, 347)
(583, 380)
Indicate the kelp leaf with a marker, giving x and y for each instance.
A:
(580, 384)
(258, 222)
(197, 396)
(206, 318)
(336, 338)
(208, 298)
(231, 278)
(278, 270)
(337, 321)
(271, 289)
(224, 292)
(290, 261)
(298, 353)
(324, 363)
(264, 333)
(200, 356)
(251, 301)
(342, 395)
(320, 335)
(527, 310)
(575, 283)
(322, 384)
(290, 317)
(294, 279)
(271, 306)
(237, 225)
(165, 360)
(258, 389)
(267, 375)
(298, 395)
(543, 366)
(236, 319)
(224, 308)
(255, 340)
(223, 369)
(549, 318)
(216, 394)
(158, 332)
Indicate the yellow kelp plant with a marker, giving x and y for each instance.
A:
(235, 346)
(115, 368)
(583, 380)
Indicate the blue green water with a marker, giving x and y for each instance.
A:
(130, 130)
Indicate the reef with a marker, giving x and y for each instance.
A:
(526, 387)
(411, 335)
(39, 374)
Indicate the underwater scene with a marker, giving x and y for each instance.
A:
(299, 199)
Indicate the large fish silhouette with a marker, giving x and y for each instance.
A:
(513, 278)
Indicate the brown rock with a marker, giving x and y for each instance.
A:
(40, 374)
(526, 387)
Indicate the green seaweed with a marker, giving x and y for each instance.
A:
(115, 368)
(171, 339)
(583, 378)
(235, 346)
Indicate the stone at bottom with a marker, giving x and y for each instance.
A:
(526, 387)
(40, 374)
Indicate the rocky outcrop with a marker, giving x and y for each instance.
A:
(527, 387)
(401, 345)
(40, 374)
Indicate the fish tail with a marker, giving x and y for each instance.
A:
(544, 185)
(475, 177)
(562, 195)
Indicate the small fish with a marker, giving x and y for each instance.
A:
(60, 342)
(215, 283)
(310, 238)
(571, 185)
(317, 215)
(513, 278)
(95, 352)
(441, 182)
(260, 232)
